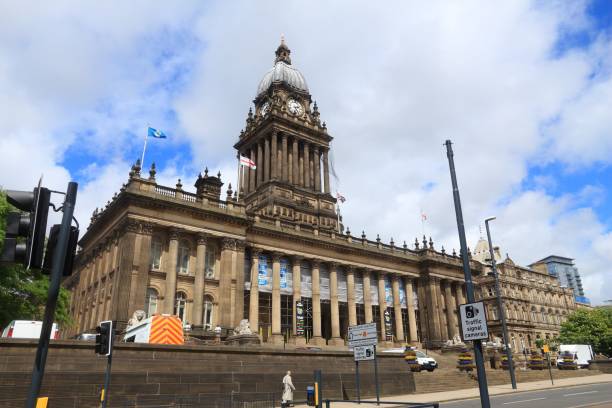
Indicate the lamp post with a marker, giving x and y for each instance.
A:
(500, 305)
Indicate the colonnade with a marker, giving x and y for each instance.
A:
(279, 156)
(440, 318)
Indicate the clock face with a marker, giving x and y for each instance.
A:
(265, 108)
(294, 107)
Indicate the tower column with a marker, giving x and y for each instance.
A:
(289, 162)
(266, 176)
(397, 307)
(325, 171)
(171, 272)
(316, 304)
(254, 295)
(306, 165)
(284, 158)
(277, 336)
(350, 294)
(274, 156)
(412, 327)
(260, 163)
(382, 305)
(251, 172)
(198, 287)
(296, 162)
(335, 312)
(367, 297)
(316, 158)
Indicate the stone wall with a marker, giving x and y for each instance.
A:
(153, 374)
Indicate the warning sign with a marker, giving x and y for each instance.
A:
(473, 321)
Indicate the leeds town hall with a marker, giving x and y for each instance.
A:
(276, 255)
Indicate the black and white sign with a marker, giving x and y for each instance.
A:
(362, 335)
(363, 353)
(473, 321)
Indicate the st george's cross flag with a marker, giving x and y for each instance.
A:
(340, 197)
(158, 134)
(245, 161)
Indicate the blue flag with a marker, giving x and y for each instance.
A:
(158, 134)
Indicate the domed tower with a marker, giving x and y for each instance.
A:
(290, 146)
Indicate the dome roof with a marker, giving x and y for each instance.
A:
(283, 72)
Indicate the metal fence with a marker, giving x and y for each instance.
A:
(329, 403)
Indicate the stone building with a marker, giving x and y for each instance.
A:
(535, 303)
(274, 254)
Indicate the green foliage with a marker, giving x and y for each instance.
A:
(592, 327)
(23, 293)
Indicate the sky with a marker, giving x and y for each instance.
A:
(522, 88)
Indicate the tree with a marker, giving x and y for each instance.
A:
(592, 327)
(23, 293)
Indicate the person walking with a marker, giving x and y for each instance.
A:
(288, 389)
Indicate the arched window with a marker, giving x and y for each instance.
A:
(156, 254)
(151, 302)
(207, 313)
(179, 305)
(182, 262)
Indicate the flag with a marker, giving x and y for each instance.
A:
(158, 134)
(245, 161)
(340, 197)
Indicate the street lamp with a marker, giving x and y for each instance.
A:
(500, 305)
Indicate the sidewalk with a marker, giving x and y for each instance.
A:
(493, 390)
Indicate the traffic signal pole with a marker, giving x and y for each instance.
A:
(59, 258)
(469, 285)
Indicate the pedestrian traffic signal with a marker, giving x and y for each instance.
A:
(29, 226)
(104, 338)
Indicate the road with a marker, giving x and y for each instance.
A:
(592, 396)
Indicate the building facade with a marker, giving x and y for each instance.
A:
(274, 253)
(564, 269)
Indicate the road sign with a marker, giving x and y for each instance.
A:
(473, 321)
(363, 353)
(362, 335)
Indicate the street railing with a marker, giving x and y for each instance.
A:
(394, 403)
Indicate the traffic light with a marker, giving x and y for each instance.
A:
(104, 338)
(31, 225)
(50, 251)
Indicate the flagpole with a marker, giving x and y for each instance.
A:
(338, 214)
(238, 188)
(144, 148)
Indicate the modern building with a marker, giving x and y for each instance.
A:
(275, 254)
(563, 269)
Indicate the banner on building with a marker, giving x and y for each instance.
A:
(388, 326)
(299, 319)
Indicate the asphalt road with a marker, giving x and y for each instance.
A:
(592, 396)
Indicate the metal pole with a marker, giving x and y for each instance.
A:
(376, 377)
(59, 258)
(500, 305)
(357, 381)
(469, 286)
(549, 369)
(107, 377)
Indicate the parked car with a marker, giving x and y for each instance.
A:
(86, 337)
(27, 329)
(426, 362)
(582, 353)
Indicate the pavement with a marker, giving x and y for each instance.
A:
(495, 390)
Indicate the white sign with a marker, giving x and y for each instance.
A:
(473, 321)
(362, 335)
(363, 353)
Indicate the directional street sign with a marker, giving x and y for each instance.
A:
(363, 353)
(362, 335)
(473, 321)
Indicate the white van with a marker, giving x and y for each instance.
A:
(582, 352)
(27, 329)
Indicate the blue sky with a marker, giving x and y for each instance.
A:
(523, 88)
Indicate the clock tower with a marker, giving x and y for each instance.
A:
(289, 145)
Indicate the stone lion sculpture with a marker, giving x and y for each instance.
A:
(243, 328)
(137, 317)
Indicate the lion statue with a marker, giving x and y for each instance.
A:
(243, 328)
(137, 317)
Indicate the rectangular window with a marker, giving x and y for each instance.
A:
(156, 251)
(209, 263)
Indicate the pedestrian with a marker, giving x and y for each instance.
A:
(218, 334)
(288, 389)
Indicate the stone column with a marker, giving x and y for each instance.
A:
(350, 294)
(254, 295)
(325, 171)
(459, 294)
(260, 164)
(306, 165)
(412, 327)
(238, 283)
(397, 307)
(382, 305)
(335, 313)
(432, 310)
(244, 188)
(367, 297)
(295, 158)
(266, 159)
(252, 173)
(450, 310)
(199, 284)
(224, 310)
(316, 305)
(316, 158)
(297, 295)
(442, 314)
(274, 156)
(277, 336)
(171, 272)
(284, 160)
